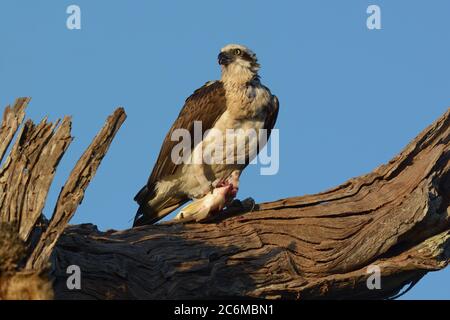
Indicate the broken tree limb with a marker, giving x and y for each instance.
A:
(322, 246)
(26, 239)
(12, 118)
(73, 191)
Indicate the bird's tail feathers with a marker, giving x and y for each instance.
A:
(151, 211)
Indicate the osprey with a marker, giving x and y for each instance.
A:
(237, 101)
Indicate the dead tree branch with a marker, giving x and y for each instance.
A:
(321, 246)
(25, 179)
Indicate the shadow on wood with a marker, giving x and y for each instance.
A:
(394, 220)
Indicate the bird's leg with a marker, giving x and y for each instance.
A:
(222, 195)
(233, 183)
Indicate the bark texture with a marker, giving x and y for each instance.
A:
(25, 177)
(394, 220)
(311, 247)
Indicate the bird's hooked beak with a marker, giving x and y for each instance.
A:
(224, 58)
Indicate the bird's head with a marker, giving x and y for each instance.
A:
(239, 63)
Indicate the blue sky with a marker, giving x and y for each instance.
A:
(333, 76)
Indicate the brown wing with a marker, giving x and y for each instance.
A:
(206, 104)
(272, 114)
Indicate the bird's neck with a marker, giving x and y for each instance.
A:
(238, 76)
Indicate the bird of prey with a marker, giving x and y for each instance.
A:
(237, 101)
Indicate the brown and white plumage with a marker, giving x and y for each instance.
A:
(237, 101)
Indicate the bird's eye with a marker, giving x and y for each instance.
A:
(237, 52)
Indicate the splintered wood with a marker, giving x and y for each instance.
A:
(25, 179)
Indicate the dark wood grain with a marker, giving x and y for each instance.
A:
(309, 247)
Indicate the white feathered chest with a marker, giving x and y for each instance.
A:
(245, 114)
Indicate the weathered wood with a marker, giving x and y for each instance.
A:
(26, 239)
(310, 247)
(73, 191)
(28, 171)
(12, 118)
